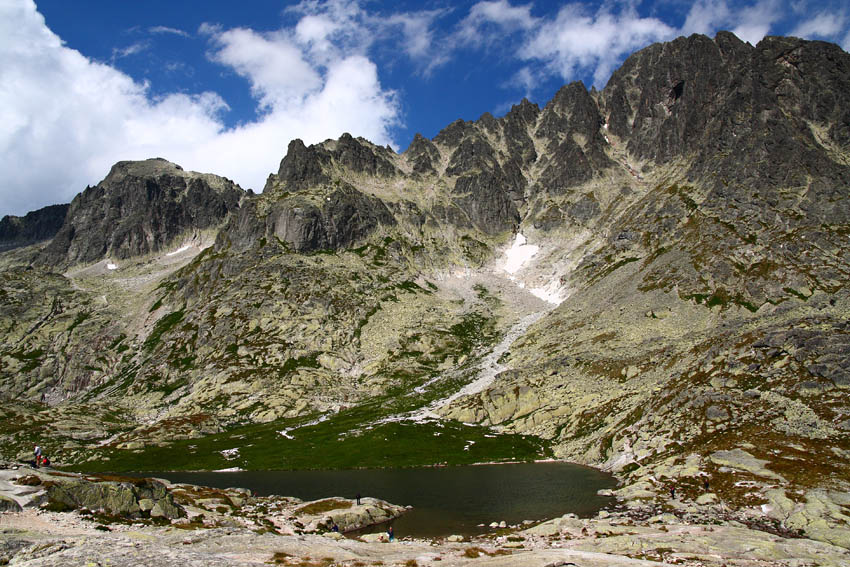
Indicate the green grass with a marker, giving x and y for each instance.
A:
(80, 318)
(333, 444)
(795, 293)
(162, 326)
(306, 361)
(352, 438)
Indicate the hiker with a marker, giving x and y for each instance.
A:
(672, 493)
(45, 462)
(705, 484)
(358, 498)
(37, 453)
(335, 528)
(390, 534)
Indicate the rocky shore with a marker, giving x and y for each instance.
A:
(56, 518)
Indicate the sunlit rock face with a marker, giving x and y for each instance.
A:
(139, 208)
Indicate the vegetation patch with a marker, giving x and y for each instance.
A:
(162, 326)
(322, 506)
(306, 361)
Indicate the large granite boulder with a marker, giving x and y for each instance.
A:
(116, 498)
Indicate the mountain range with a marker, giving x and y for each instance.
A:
(651, 278)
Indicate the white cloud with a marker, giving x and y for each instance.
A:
(274, 65)
(168, 30)
(132, 49)
(577, 41)
(756, 21)
(65, 119)
(488, 21)
(706, 17)
(822, 25)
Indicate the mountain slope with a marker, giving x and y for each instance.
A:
(649, 278)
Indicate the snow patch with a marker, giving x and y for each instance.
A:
(551, 293)
(179, 250)
(230, 454)
(519, 254)
(231, 469)
(285, 433)
(111, 266)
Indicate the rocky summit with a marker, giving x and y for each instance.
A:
(651, 279)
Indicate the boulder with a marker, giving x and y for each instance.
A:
(115, 498)
(166, 508)
(8, 504)
(127, 499)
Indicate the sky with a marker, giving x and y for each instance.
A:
(223, 87)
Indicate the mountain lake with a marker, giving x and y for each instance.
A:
(445, 500)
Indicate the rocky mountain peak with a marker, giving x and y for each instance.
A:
(303, 167)
(35, 226)
(138, 208)
(422, 154)
(153, 167)
(682, 308)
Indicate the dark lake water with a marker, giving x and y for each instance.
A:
(445, 500)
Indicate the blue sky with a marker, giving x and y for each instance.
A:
(223, 87)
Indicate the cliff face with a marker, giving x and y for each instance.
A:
(35, 226)
(686, 288)
(137, 209)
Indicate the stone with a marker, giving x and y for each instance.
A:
(8, 504)
(166, 508)
(716, 413)
(740, 459)
(375, 538)
(707, 498)
(455, 538)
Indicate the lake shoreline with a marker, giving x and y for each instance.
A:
(445, 500)
(35, 536)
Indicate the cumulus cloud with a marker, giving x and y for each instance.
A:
(488, 21)
(706, 17)
(579, 41)
(65, 119)
(822, 25)
(756, 21)
(582, 40)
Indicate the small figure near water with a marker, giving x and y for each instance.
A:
(390, 534)
(357, 498)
